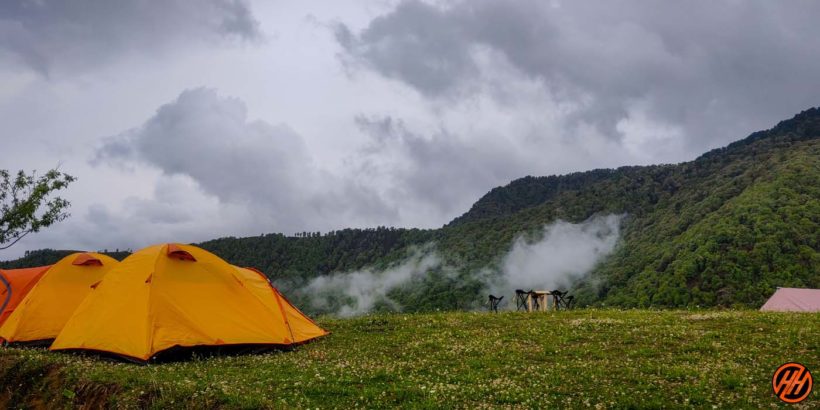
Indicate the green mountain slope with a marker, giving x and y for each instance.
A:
(722, 230)
(757, 231)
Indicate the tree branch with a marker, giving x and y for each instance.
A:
(15, 241)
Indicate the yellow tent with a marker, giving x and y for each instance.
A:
(40, 316)
(301, 327)
(173, 295)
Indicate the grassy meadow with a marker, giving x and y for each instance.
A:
(577, 359)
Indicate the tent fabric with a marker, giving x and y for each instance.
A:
(16, 284)
(45, 309)
(793, 300)
(172, 295)
(301, 327)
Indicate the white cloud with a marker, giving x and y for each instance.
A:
(566, 251)
(363, 289)
(263, 167)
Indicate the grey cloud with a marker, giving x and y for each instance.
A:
(238, 20)
(263, 167)
(416, 43)
(443, 172)
(170, 205)
(715, 69)
(114, 147)
(209, 138)
(78, 35)
(161, 214)
(440, 170)
(176, 210)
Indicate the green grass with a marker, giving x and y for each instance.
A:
(583, 358)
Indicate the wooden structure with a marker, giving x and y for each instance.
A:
(538, 300)
(542, 300)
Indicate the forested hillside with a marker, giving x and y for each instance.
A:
(722, 230)
(292, 260)
(44, 257)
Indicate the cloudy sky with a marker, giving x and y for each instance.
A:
(186, 121)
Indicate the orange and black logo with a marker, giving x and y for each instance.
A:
(792, 382)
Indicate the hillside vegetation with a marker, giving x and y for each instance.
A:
(723, 230)
(583, 358)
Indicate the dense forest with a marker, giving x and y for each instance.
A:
(723, 230)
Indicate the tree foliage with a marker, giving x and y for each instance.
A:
(27, 203)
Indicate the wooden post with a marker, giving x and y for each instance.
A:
(541, 297)
(529, 302)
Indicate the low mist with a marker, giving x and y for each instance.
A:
(551, 259)
(358, 292)
(566, 251)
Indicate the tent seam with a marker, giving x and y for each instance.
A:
(151, 318)
(278, 302)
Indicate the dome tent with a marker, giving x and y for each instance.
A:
(16, 284)
(41, 314)
(171, 295)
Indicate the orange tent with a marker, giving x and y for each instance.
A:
(172, 295)
(16, 283)
(45, 309)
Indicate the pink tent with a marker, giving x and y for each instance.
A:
(793, 300)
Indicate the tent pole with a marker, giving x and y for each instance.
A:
(8, 296)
